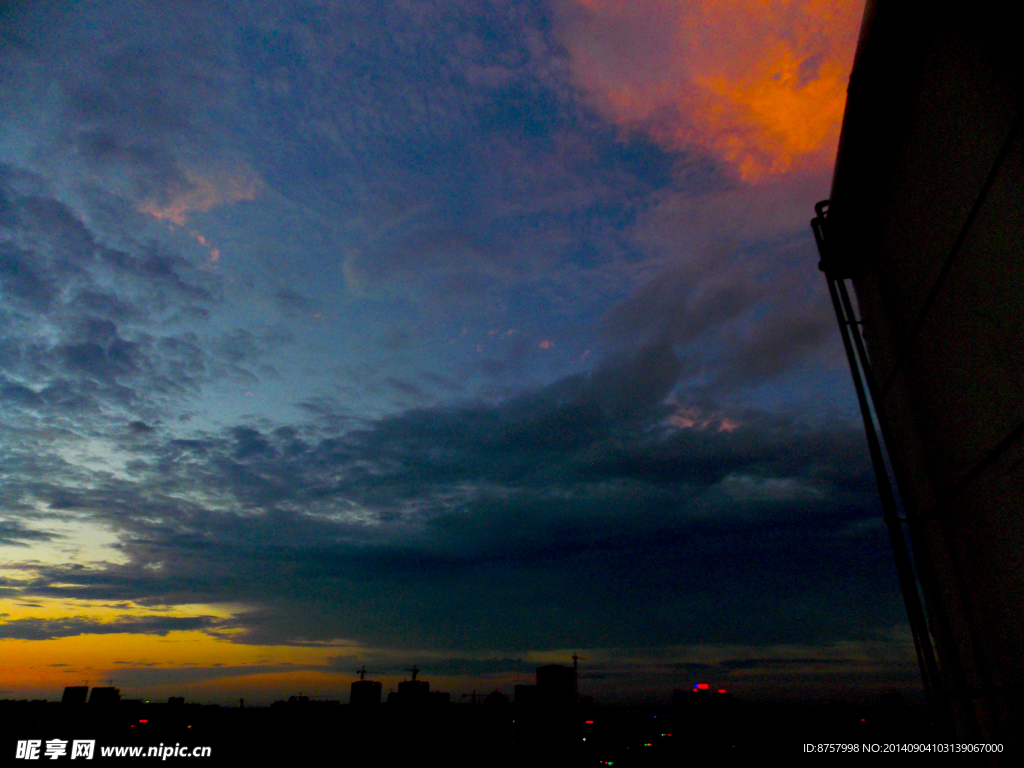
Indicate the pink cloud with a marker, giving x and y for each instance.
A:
(204, 193)
(695, 418)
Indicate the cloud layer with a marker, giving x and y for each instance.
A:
(429, 329)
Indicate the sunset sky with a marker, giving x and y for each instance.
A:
(463, 334)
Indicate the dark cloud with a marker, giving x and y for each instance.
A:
(133, 109)
(21, 283)
(782, 340)
(736, 329)
(140, 428)
(684, 300)
(47, 629)
(89, 327)
(575, 515)
(14, 533)
(292, 303)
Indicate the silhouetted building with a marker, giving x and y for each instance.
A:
(416, 693)
(104, 696)
(364, 693)
(496, 699)
(75, 694)
(555, 689)
(556, 686)
(526, 696)
(176, 701)
(546, 716)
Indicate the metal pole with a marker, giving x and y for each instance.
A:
(860, 371)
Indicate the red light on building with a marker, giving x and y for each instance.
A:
(721, 690)
(143, 721)
(703, 686)
(590, 722)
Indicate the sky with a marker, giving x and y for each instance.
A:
(463, 334)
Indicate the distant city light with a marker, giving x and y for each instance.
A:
(703, 686)
(721, 690)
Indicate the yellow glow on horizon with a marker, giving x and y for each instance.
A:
(34, 663)
(47, 666)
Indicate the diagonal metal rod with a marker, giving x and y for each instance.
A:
(904, 568)
(925, 576)
(860, 371)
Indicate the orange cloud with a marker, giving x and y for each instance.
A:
(201, 195)
(204, 194)
(758, 84)
(694, 418)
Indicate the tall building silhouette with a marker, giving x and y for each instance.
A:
(104, 696)
(926, 222)
(364, 693)
(75, 694)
